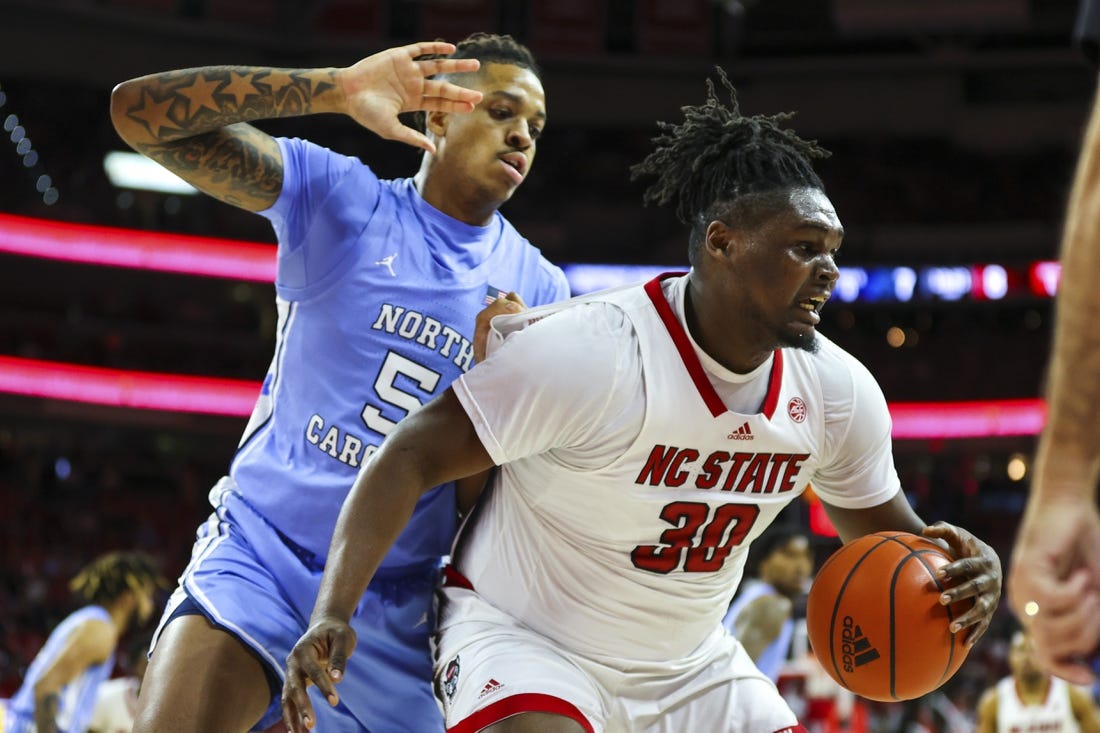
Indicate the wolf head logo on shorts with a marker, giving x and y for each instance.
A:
(450, 678)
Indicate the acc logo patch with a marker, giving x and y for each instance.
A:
(796, 408)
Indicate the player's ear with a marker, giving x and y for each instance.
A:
(436, 122)
(720, 239)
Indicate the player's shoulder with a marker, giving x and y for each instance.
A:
(581, 319)
(514, 238)
(301, 148)
(834, 367)
(829, 355)
(592, 337)
(581, 313)
(550, 276)
(549, 272)
(1075, 693)
(987, 703)
(89, 635)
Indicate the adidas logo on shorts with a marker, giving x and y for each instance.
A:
(491, 687)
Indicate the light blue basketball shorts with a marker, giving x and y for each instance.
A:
(249, 580)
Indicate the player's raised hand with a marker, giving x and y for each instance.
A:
(319, 658)
(510, 303)
(975, 573)
(1054, 584)
(393, 81)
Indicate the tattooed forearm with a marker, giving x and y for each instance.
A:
(242, 167)
(181, 104)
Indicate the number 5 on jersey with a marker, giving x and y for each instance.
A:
(385, 385)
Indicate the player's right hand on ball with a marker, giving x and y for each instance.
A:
(319, 658)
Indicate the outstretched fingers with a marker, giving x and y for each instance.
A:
(404, 134)
(978, 616)
(445, 90)
(297, 709)
(319, 658)
(429, 48)
(433, 67)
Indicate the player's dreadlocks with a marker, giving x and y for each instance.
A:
(109, 576)
(705, 164)
(488, 48)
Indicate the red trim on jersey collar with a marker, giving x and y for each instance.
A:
(452, 577)
(775, 380)
(525, 702)
(691, 360)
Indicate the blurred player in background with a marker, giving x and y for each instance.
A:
(1054, 586)
(1032, 701)
(768, 617)
(645, 437)
(762, 615)
(116, 701)
(378, 287)
(59, 690)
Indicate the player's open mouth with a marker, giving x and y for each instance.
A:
(515, 164)
(812, 307)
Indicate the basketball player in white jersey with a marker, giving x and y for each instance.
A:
(644, 437)
(1032, 701)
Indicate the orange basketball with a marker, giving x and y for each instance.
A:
(875, 621)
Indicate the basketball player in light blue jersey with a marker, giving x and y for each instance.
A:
(762, 613)
(58, 693)
(378, 288)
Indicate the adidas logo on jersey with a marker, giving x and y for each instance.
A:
(855, 648)
(742, 433)
(491, 687)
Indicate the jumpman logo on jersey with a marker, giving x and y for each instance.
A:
(388, 262)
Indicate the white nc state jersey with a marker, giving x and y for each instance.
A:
(628, 491)
(1054, 715)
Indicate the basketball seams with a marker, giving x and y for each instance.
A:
(891, 611)
(893, 619)
(918, 554)
(950, 611)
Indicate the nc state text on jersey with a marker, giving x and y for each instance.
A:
(755, 473)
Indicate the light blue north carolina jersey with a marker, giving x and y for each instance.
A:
(77, 699)
(774, 656)
(377, 295)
